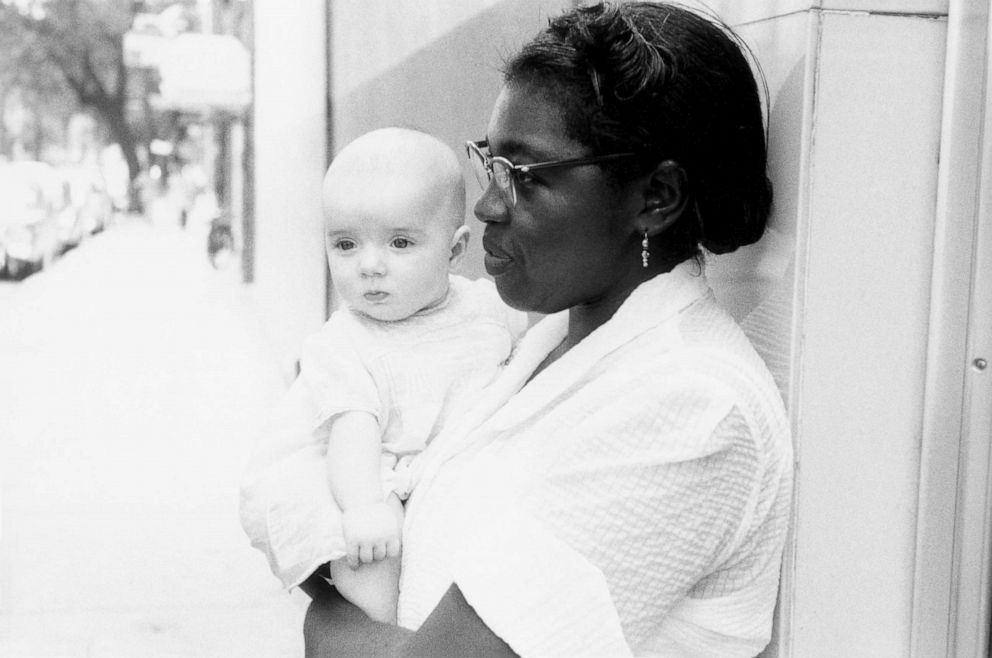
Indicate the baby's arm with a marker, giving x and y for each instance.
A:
(371, 528)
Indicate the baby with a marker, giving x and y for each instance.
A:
(411, 345)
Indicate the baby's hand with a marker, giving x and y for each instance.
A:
(371, 532)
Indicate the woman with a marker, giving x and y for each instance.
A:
(626, 489)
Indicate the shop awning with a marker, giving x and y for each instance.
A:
(204, 72)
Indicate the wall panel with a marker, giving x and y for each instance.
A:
(290, 155)
(872, 184)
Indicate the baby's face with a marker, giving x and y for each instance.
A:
(388, 255)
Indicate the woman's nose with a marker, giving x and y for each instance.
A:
(490, 207)
(372, 262)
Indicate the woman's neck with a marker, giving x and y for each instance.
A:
(583, 319)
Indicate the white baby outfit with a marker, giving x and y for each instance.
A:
(411, 375)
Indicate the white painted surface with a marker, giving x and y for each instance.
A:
(889, 6)
(389, 33)
(736, 12)
(750, 276)
(948, 369)
(972, 578)
(872, 195)
(290, 158)
(785, 49)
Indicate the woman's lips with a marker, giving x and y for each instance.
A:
(496, 264)
(497, 261)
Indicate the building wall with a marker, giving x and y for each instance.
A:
(867, 293)
(836, 296)
(855, 91)
(860, 188)
(290, 154)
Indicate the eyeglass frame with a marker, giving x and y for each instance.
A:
(487, 161)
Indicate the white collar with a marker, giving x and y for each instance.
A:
(511, 396)
(650, 304)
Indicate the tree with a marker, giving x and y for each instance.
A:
(80, 44)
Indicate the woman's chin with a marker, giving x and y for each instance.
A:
(516, 296)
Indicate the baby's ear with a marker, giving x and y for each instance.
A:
(459, 244)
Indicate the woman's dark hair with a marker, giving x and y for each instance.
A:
(667, 84)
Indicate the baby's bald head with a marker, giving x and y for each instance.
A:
(394, 208)
(397, 165)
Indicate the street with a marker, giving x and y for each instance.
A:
(133, 377)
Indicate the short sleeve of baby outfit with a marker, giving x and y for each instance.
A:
(332, 368)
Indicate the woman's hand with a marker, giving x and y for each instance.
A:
(335, 627)
(371, 533)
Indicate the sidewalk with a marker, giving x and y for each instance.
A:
(132, 380)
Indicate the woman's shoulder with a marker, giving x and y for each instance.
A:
(704, 351)
(715, 349)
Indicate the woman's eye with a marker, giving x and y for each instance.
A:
(344, 245)
(525, 177)
(401, 243)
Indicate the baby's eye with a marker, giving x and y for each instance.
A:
(401, 243)
(344, 245)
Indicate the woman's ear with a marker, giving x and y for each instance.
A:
(666, 195)
(459, 243)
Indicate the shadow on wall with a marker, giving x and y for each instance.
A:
(758, 283)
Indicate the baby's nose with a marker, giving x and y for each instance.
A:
(372, 262)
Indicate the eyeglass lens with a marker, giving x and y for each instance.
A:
(487, 169)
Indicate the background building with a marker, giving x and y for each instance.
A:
(871, 297)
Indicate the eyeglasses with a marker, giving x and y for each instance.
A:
(496, 168)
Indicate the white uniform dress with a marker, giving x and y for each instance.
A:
(411, 375)
(632, 498)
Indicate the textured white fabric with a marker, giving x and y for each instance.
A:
(410, 374)
(632, 498)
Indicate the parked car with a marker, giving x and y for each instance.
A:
(70, 226)
(91, 208)
(31, 198)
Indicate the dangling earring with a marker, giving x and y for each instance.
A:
(645, 254)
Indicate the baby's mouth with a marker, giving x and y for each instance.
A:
(376, 295)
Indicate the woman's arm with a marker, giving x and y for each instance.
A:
(335, 627)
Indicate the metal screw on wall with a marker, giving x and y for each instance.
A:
(980, 364)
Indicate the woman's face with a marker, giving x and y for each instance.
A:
(561, 244)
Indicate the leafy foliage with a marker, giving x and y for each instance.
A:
(69, 54)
